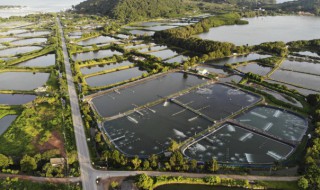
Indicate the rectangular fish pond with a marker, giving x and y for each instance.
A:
(235, 145)
(217, 101)
(141, 93)
(150, 130)
(254, 68)
(94, 55)
(98, 68)
(16, 99)
(114, 77)
(22, 80)
(42, 61)
(277, 122)
(300, 79)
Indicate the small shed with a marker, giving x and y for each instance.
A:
(57, 162)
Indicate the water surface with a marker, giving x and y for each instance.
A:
(114, 77)
(42, 61)
(267, 29)
(16, 99)
(22, 80)
(5, 122)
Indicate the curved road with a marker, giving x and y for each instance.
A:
(88, 173)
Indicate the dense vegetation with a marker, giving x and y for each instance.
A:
(310, 180)
(126, 10)
(182, 36)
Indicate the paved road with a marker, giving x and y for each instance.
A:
(88, 173)
(83, 152)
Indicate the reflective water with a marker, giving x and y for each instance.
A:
(22, 80)
(237, 59)
(94, 55)
(16, 99)
(234, 144)
(142, 93)
(97, 68)
(149, 131)
(281, 123)
(267, 29)
(306, 67)
(29, 41)
(299, 79)
(5, 122)
(254, 68)
(18, 50)
(42, 61)
(217, 101)
(164, 54)
(97, 40)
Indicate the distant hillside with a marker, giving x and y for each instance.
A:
(312, 6)
(134, 10)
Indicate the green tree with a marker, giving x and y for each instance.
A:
(173, 146)
(5, 161)
(146, 165)
(303, 183)
(114, 184)
(144, 181)
(28, 163)
(153, 159)
(213, 165)
(136, 162)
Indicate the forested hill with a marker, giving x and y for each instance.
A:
(134, 10)
(312, 6)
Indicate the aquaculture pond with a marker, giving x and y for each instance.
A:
(114, 77)
(138, 46)
(231, 79)
(306, 67)
(7, 39)
(29, 41)
(94, 55)
(16, 99)
(42, 61)
(305, 53)
(277, 122)
(284, 98)
(152, 48)
(97, 40)
(34, 34)
(254, 68)
(177, 59)
(98, 68)
(141, 32)
(300, 79)
(22, 80)
(217, 101)
(267, 29)
(14, 31)
(5, 122)
(233, 144)
(149, 131)
(141, 93)
(18, 50)
(164, 54)
(148, 24)
(237, 59)
(160, 28)
(302, 91)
